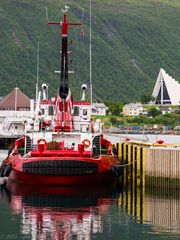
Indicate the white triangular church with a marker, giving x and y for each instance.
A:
(166, 90)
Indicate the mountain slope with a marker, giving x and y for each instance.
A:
(131, 41)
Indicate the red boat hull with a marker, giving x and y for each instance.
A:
(77, 180)
(103, 174)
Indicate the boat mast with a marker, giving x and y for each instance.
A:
(65, 117)
(64, 85)
(37, 77)
(90, 54)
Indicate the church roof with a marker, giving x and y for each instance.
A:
(166, 90)
(15, 98)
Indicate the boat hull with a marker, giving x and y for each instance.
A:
(105, 177)
(63, 172)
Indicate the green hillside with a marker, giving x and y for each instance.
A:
(131, 41)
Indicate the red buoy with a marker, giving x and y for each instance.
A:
(160, 141)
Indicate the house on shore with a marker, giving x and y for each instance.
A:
(134, 109)
(99, 109)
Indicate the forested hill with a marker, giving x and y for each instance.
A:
(131, 41)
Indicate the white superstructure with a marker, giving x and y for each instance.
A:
(12, 123)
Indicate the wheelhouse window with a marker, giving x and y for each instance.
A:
(84, 112)
(51, 110)
(76, 111)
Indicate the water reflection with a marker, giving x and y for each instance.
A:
(98, 213)
(157, 207)
(163, 210)
(59, 213)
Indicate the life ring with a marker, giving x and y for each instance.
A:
(86, 143)
(41, 141)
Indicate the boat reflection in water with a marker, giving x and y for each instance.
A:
(79, 213)
(60, 213)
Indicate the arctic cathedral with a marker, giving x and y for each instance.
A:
(166, 90)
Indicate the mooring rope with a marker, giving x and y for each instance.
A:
(127, 155)
(125, 165)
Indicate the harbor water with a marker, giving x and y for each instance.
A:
(97, 213)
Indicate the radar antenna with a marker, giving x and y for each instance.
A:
(65, 10)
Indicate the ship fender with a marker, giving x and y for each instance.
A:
(2, 170)
(116, 170)
(6, 167)
(3, 181)
(5, 170)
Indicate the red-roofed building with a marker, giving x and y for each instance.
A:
(15, 101)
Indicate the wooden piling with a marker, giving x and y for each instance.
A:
(131, 178)
(160, 166)
(153, 166)
(163, 167)
(127, 158)
(141, 182)
(122, 162)
(135, 180)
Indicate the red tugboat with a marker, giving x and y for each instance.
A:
(61, 147)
